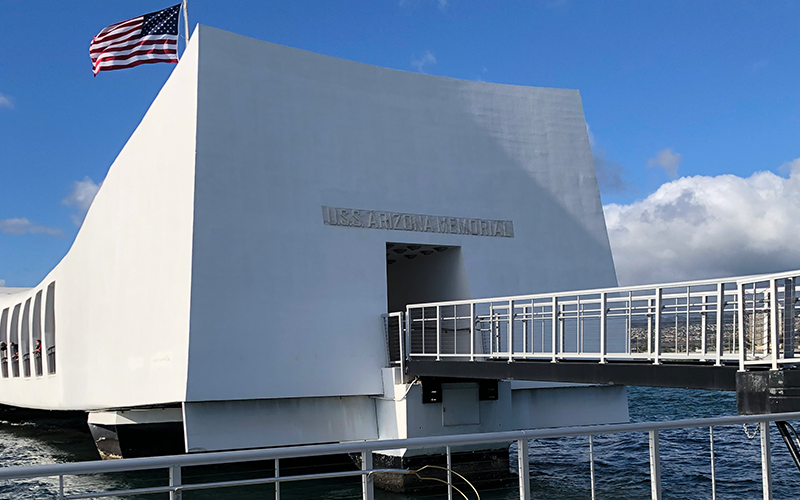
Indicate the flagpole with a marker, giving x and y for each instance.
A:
(186, 19)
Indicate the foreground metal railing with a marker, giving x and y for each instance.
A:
(175, 464)
(749, 319)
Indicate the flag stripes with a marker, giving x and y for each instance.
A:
(147, 39)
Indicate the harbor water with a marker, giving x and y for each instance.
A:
(559, 467)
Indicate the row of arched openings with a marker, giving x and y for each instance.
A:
(28, 337)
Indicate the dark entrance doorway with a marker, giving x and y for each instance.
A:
(417, 273)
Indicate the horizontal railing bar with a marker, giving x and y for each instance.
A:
(229, 484)
(757, 278)
(130, 464)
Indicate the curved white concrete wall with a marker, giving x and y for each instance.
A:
(122, 292)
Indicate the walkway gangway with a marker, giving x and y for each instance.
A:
(701, 332)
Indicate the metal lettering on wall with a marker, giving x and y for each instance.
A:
(374, 219)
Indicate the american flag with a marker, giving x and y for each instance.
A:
(151, 38)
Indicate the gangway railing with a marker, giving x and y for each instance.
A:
(752, 320)
(176, 464)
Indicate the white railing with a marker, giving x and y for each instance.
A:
(749, 319)
(442, 444)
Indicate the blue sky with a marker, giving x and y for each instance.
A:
(672, 90)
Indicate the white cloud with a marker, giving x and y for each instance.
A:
(668, 160)
(708, 227)
(5, 101)
(81, 197)
(2, 283)
(21, 225)
(427, 59)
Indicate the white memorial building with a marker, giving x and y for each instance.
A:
(228, 282)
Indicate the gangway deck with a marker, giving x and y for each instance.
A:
(727, 334)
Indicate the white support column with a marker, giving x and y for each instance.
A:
(720, 320)
(175, 480)
(657, 330)
(367, 486)
(766, 461)
(740, 309)
(655, 466)
(603, 329)
(523, 470)
(773, 321)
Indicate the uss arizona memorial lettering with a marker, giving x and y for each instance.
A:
(374, 219)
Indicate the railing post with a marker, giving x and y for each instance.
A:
(703, 326)
(603, 319)
(438, 333)
(655, 466)
(651, 309)
(740, 314)
(555, 329)
(367, 486)
(523, 469)
(61, 487)
(408, 332)
(773, 321)
(449, 474)
(766, 461)
(713, 471)
(510, 335)
(472, 331)
(401, 335)
(175, 480)
(591, 464)
(657, 330)
(720, 320)
(277, 475)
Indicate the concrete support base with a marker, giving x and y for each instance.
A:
(137, 433)
(481, 468)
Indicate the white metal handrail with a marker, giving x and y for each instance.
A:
(750, 320)
(175, 463)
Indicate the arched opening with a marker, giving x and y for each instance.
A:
(25, 339)
(13, 344)
(4, 342)
(50, 327)
(36, 337)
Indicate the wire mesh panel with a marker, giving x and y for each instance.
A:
(393, 329)
(756, 324)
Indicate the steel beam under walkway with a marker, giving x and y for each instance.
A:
(680, 375)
